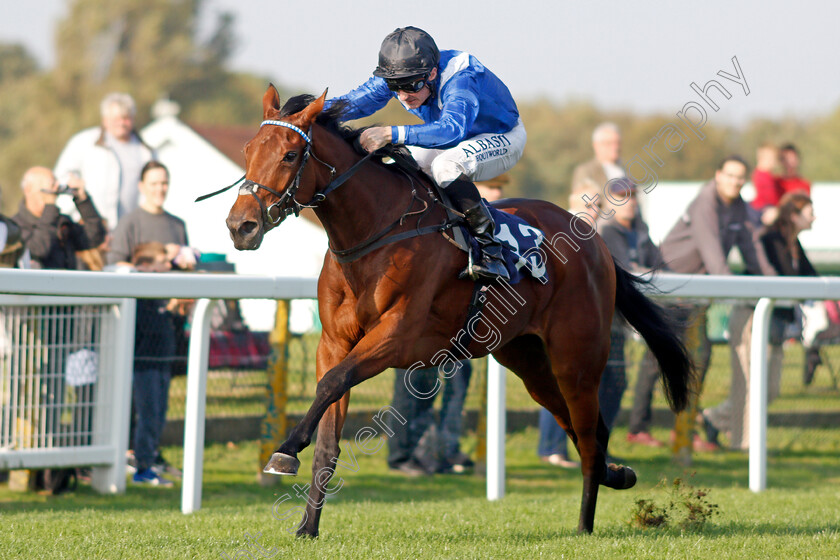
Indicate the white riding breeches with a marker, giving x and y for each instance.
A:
(480, 158)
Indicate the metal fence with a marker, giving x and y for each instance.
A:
(63, 384)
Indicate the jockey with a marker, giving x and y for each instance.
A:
(471, 131)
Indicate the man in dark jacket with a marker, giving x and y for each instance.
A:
(53, 240)
(51, 237)
(714, 223)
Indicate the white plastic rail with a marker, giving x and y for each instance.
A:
(205, 288)
(764, 290)
(210, 286)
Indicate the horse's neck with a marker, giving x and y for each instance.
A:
(371, 200)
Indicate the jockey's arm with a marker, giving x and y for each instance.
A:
(363, 101)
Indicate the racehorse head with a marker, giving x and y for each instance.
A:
(275, 162)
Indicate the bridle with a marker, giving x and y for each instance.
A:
(286, 202)
(284, 210)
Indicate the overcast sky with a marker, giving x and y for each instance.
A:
(621, 55)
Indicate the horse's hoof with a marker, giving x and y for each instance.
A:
(282, 464)
(304, 534)
(629, 478)
(620, 477)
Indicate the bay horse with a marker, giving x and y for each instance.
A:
(398, 302)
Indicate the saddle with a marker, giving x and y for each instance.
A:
(400, 156)
(519, 238)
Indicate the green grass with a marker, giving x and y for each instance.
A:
(377, 514)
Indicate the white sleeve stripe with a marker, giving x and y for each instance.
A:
(455, 65)
(400, 134)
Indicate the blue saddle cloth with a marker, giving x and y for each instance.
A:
(520, 243)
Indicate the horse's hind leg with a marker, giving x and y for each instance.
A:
(581, 392)
(574, 404)
(526, 357)
(577, 364)
(569, 390)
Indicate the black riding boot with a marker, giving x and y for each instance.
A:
(465, 198)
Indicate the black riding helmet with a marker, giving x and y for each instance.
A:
(405, 53)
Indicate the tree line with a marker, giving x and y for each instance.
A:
(152, 49)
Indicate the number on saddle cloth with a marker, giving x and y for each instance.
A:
(521, 246)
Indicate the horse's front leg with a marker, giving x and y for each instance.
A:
(323, 465)
(374, 352)
(327, 445)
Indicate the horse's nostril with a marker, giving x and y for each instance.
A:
(247, 228)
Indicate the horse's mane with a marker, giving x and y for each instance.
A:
(332, 119)
(329, 118)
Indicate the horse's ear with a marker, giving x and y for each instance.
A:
(271, 101)
(314, 108)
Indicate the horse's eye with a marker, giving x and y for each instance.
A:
(290, 156)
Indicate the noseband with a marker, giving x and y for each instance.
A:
(283, 205)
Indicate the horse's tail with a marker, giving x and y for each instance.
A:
(659, 330)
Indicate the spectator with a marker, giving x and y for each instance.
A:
(716, 221)
(109, 159)
(11, 243)
(451, 424)
(766, 184)
(52, 238)
(155, 335)
(150, 222)
(628, 240)
(785, 254)
(492, 189)
(553, 446)
(414, 394)
(590, 179)
(53, 241)
(790, 181)
(588, 191)
(154, 341)
(10, 256)
(421, 446)
(404, 438)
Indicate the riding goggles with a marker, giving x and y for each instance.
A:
(411, 85)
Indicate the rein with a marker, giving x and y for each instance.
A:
(378, 240)
(251, 187)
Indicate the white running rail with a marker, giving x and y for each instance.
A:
(206, 288)
(764, 290)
